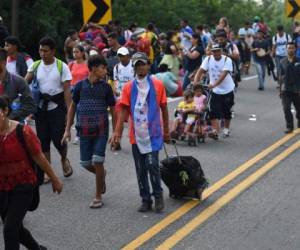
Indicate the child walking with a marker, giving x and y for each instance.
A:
(91, 99)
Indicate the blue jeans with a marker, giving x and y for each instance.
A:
(92, 150)
(261, 72)
(147, 164)
(277, 63)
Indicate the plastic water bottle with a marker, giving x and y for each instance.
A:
(16, 104)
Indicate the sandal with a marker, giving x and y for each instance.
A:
(96, 203)
(104, 183)
(67, 168)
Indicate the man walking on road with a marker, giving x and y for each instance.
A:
(290, 86)
(91, 99)
(17, 62)
(219, 68)
(261, 49)
(16, 88)
(143, 99)
(54, 79)
(279, 46)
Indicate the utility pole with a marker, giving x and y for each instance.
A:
(14, 14)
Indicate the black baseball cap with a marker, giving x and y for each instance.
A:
(139, 57)
(215, 47)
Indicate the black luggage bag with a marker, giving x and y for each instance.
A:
(183, 175)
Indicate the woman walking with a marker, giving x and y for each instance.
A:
(18, 179)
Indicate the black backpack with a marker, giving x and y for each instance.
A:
(39, 173)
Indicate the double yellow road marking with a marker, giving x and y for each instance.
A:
(207, 213)
(225, 199)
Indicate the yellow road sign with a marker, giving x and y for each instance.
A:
(292, 8)
(97, 11)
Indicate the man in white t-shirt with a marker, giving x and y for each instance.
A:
(279, 46)
(54, 79)
(123, 73)
(219, 68)
(17, 62)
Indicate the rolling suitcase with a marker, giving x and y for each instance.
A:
(183, 175)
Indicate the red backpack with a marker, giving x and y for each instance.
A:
(263, 27)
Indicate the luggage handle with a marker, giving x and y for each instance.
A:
(174, 144)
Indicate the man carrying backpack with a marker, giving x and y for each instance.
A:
(112, 55)
(91, 99)
(218, 67)
(16, 88)
(230, 50)
(53, 78)
(123, 72)
(261, 50)
(279, 46)
(17, 62)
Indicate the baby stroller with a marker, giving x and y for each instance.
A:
(199, 128)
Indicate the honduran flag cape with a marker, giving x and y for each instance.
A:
(154, 131)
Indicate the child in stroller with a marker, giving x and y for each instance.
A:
(188, 116)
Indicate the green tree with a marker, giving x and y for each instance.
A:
(55, 17)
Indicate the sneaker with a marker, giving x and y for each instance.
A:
(145, 207)
(43, 248)
(159, 204)
(261, 88)
(226, 132)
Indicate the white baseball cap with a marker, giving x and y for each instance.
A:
(93, 52)
(123, 51)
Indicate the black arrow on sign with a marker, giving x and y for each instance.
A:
(102, 7)
(295, 6)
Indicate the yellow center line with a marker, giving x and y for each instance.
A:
(178, 213)
(225, 199)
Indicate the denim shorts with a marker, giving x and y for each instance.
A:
(92, 150)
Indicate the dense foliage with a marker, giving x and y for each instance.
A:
(56, 17)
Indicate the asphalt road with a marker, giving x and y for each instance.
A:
(264, 216)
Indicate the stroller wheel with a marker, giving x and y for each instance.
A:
(174, 135)
(201, 138)
(192, 141)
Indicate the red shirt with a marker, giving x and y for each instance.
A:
(143, 45)
(125, 100)
(1, 88)
(14, 165)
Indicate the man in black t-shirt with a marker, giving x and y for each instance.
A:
(261, 49)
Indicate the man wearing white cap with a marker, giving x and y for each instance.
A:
(123, 72)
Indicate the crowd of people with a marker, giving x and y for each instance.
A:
(126, 74)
